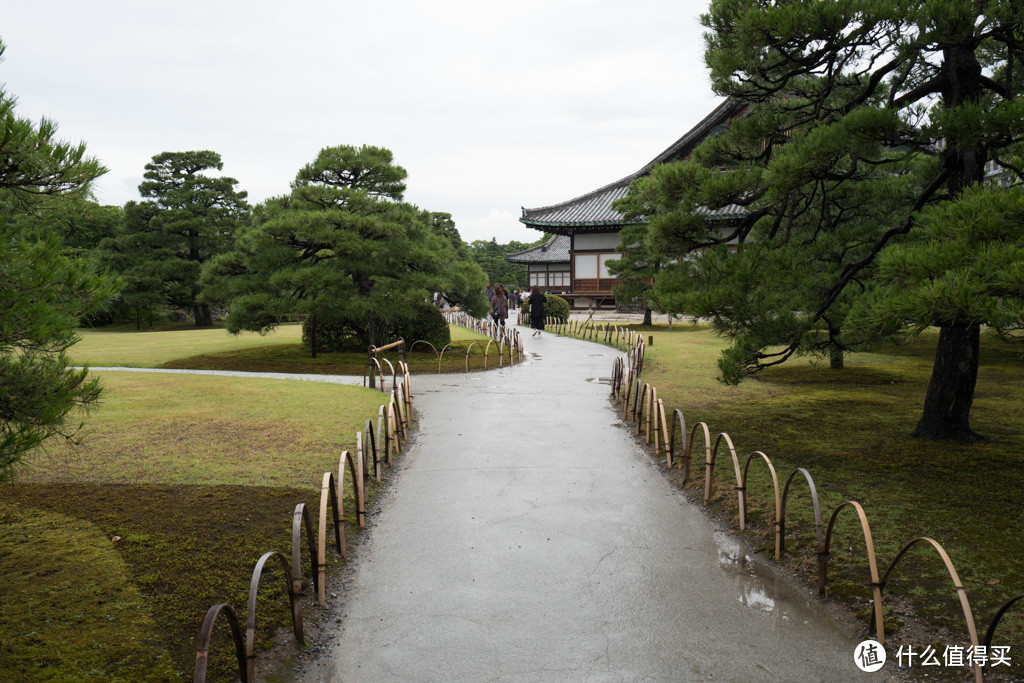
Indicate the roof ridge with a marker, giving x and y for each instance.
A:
(544, 247)
(727, 105)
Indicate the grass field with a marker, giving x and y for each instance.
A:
(849, 429)
(191, 429)
(122, 347)
(113, 551)
(278, 351)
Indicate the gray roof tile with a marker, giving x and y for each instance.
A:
(555, 250)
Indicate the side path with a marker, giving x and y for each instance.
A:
(527, 537)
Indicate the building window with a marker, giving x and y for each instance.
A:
(558, 278)
(586, 266)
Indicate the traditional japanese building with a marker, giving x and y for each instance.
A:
(591, 225)
(547, 264)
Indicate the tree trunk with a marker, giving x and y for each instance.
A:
(314, 332)
(203, 314)
(835, 350)
(947, 405)
(377, 332)
(138, 318)
(647, 316)
(836, 357)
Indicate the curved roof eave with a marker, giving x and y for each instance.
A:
(698, 132)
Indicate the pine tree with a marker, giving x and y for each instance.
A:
(845, 95)
(43, 290)
(344, 251)
(197, 215)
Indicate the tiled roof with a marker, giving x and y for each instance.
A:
(555, 250)
(594, 209)
(730, 211)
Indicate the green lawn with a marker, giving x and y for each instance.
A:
(849, 429)
(278, 351)
(118, 347)
(153, 428)
(113, 551)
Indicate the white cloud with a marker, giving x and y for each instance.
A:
(489, 105)
(502, 225)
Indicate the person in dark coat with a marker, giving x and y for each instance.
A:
(499, 306)
(537, 310)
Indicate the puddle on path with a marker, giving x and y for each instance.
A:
(760, 587)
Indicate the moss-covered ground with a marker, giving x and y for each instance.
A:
(111, 552)
(849, 428)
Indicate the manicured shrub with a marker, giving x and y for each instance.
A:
(421, 321)
(554, 307)
(428, 324)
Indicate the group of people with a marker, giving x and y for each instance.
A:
(501, 303)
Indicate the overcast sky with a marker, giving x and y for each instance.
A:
(490, 106)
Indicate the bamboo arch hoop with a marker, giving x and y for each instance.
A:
(206, 634)
(403, 414)
(637, 397)
(440, 358)
(487, 352)
(652, 414)
(629, 391)
(965, 605)
(661, 425)
(709, 474)
(371, 437)
(470, 348)
(643, 398)
(616, 377)
(364, 471)
(775, 490)
(689, 447)
(328, 496)
(393, 428)
(250, 617)
(396, 414)
(869, 545)
(382, 433)
(393, 374)
(301, 518)
(990, 632)
(368, 371)
(781, 541)
(670, 442)
(407, 389)
(358, 493)
(432, 348)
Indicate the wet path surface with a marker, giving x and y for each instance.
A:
(527, 537)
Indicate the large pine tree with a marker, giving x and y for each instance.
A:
(343, 251)
(843, 94)
(196, 216)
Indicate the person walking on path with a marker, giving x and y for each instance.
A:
(536, 310)
(499, 306)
